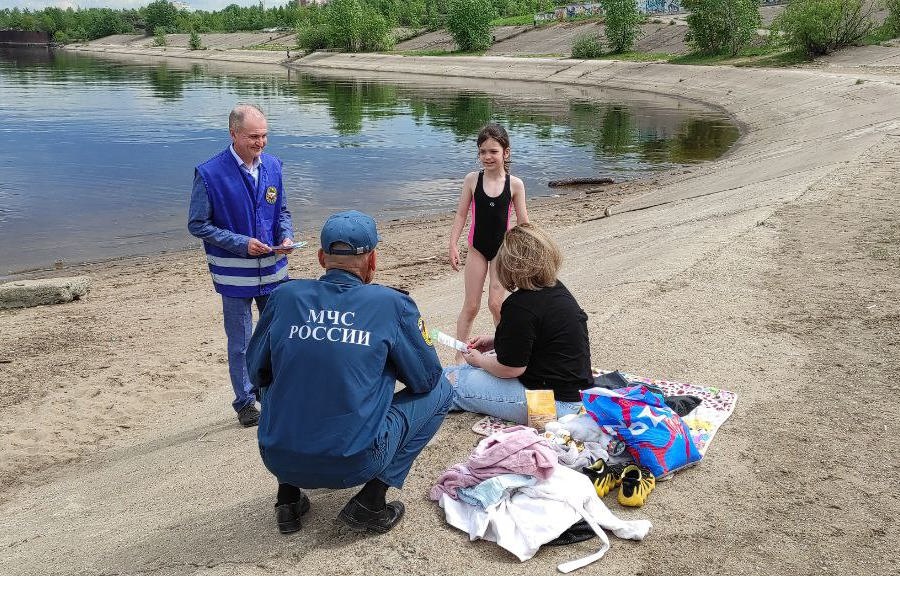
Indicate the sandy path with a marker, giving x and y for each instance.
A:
(772, 272)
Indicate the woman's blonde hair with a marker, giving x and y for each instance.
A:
(528, 259)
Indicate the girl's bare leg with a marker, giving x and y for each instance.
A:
(474, 274)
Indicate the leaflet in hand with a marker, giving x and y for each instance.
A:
(449, 340)
(293, 246)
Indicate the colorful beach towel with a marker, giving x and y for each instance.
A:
(704, 421)
(491, 425)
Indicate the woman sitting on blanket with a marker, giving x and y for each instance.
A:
(540, 343)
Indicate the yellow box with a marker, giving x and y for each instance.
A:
(541, 408)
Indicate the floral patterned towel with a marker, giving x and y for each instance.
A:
(705, 420)
(491, 425)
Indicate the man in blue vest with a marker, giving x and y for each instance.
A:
(326, 355)
(239, 210)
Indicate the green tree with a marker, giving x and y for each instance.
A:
(587, 45)
(892, 22)
(356, 26)
(195, 43)
(159, 35)
(101, 22)
(52, 20)
(389, 9)
(469, 22)
(61, 37)
(159, 13)
(622, 24)
(719, 26)
(822, 26)
(312, 37)
(435, 13)
(312, 28)
(412, 13)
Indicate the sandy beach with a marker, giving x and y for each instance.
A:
(773, 272)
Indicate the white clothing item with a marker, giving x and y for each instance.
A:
(582, 427)
(569, 456)
(541, 513)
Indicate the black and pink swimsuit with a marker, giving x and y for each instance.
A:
(490, 218)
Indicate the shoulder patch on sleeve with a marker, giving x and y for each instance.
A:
(424, 331)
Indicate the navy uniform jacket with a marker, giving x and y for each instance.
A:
(326, 355)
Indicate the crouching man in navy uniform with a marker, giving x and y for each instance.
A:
(239, 210)
(326, 355)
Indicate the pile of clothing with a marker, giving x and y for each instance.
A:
(632, 431)
(511, 491)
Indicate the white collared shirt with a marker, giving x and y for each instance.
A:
(253, 170)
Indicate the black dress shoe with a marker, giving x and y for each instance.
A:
(287, 516)
(360, 518)
(248, 416)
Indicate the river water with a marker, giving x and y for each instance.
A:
(97, 155)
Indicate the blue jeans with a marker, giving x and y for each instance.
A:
(476, 390)
(238, 316)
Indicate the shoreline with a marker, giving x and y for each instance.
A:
(771, 272)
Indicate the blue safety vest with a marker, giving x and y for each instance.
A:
(247, 208)
(326, 355)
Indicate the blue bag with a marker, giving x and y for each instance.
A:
(655, 435)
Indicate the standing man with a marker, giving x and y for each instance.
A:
(239, 210)
(327, 355)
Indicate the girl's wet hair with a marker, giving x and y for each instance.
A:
(496, 132)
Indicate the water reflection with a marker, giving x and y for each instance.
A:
(611, 130)
(111, 145)
(168, 85)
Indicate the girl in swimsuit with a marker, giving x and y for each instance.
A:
(490, 195)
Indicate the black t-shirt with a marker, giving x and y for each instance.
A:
(545, 331)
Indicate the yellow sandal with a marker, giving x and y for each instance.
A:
(604, 477)
(637, 484)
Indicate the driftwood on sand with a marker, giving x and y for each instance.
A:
(581, 181)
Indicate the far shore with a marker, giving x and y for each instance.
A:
(773, 272)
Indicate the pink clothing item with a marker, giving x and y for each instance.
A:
(457, 476)
(517, 449)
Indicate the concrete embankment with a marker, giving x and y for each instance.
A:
(222, 47)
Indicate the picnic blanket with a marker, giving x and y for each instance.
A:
(703, 422)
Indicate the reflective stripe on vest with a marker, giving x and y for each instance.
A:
(250, 281)
(243, 263)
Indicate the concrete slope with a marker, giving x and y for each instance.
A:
(211, 41)
(442, 40)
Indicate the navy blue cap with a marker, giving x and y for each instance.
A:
(353, 228)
